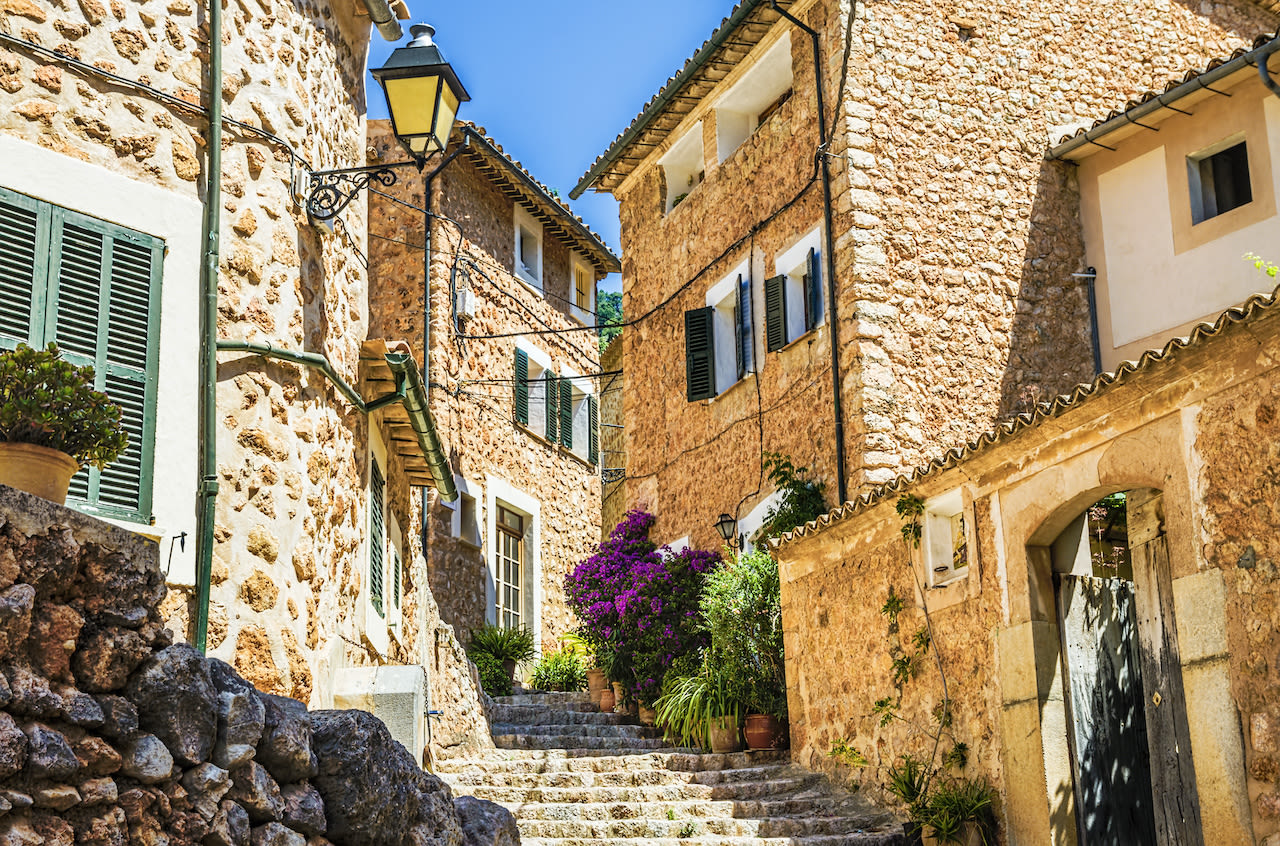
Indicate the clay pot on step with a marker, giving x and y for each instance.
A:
(648, 716)
(765, 731)
(607, 700)
(722, 734)
(596, 684)
(510, 666)
(37, 470)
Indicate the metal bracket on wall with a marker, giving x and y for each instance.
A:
(331, 191)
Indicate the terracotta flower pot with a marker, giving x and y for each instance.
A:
(607, 700)
(722, 734)
(648, 716)
(510, 666)
(596, 684)
(764, 731)
(37, 470)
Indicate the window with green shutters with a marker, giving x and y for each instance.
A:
(699, 353)
(377, 536)
(775, 313)
(593, 430)
(566, 412)
(93, 288)
(552, 409)
(812, 286)
(521, 376)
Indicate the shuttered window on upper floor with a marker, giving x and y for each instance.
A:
(93, 288)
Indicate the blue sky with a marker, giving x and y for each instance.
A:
(555, 82)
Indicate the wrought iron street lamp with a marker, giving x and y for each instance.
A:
(728, 529)
(423, 94)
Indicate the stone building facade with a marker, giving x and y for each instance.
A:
(512, 292)
(955, 241)
(295, 604)
(1187, 432)
(613, 442)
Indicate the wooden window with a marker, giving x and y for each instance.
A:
(521, 402)
(551, 406)
(593, 430)
(582, 285)
(510, 567)
(377, 536)
(742, 326)
(1219, 182)
(775, 312)
(811, 285)
(699, 351)
(566, 412)
(93, 288)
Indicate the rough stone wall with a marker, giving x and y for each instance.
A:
(955, 240)
(475, 416)
(291, 455)
(823, 607)
(110, 735)
(613, 443)
(1236, 442)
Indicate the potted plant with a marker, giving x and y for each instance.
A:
(943, 809)
(509, 647)
(700, 710)
(560, 671)
(52, 421)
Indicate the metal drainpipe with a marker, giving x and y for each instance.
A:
(384, 19)
(833, 322)
(207, 493)
(1091, 288)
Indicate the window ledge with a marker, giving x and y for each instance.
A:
(556, 446)
(808, 337)
(571, 454)
(468, 544)
(744, 380)
(688, 196)
(529, 282)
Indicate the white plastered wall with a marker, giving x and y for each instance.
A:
(177, 220)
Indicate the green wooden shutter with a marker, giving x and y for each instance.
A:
(522, 387)
(24, 267)
(566, 413)
(813, 292)
(551, 407)
(377, 534)
(593, 431)
(742, 325)
(104, 311)
(775, 312)
(397, 587)
(699, 360)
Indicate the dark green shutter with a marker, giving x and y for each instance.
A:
(551, 407)
(813, 292)
(699, 360)
(742, 325)
(566, 412)
(376, 535)
(593, 433)
(24, 264)
(104, 311)
(775, 312)
(397, 586)
(522, 387)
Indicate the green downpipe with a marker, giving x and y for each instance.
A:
(207, 494)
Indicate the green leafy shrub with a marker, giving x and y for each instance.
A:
(493, 676)
(49, 402)
(689, 703)
(742, 612)
(800, 499)
(502, 643)
(562, 670)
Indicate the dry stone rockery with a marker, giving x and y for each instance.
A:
(110, 733)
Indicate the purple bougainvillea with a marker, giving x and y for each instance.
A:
(639, 602)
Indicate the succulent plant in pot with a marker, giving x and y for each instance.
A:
(507, 646)
(52, 421)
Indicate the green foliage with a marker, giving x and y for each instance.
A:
(886, 709)
(1262, 264)
(847, 755)
(562, 670)
(689, 829)
(671, 813)
(908, 780)
(493, 676)
(609, 316)
(953, 804)
(893, 606)
(958, 757)
(942, 714)
(688, 704)
(502, 643)
(800, 499)
(49, 402)
(742, 612)
(921, 639)
(905, 668)
(910, 509)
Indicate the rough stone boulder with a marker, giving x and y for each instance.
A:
(486, 823)
(285, 748)
(374, 793)
(177, 702)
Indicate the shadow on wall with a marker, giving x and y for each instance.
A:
(1050, 337)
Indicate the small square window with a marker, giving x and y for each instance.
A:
(1219, 182)
(944, 542)
(468, 522)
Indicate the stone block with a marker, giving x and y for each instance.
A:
(1200, 608)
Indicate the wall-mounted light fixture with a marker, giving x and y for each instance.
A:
(728, 529)
(423, 94)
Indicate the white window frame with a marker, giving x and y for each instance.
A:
(684, 166)
(578, 263)
(531, 276)
(580, 416)
(793, 263)
(936, 538)
(750, 524)
(539, 366)
(176, 219)
(723, 297)
(738, 109)
(1201, 211)
(473, 492)
(498, 491)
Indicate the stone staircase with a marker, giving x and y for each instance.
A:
(574, 776)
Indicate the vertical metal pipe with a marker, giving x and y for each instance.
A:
(207, 494)
(1091, 280)
(833, 317)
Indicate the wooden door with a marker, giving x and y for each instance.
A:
(1110, 761)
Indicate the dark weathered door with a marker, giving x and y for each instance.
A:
(1100, 648)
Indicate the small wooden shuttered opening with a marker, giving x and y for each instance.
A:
(775, 313)
(812, 284)
(566, 412)
(93, 288)
(521, 403)
(377, 536)
(699, 352)
(593, 430)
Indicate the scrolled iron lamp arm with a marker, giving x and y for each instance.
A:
(331, 191)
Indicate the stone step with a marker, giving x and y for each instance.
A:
(537, 715)
(501, 754)
(612, 745)
(559, 700)
(576, 730)
(886, 838)
(624, 777)
(775, 789)
(684, 809)
(562, 760)
(806, 826)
